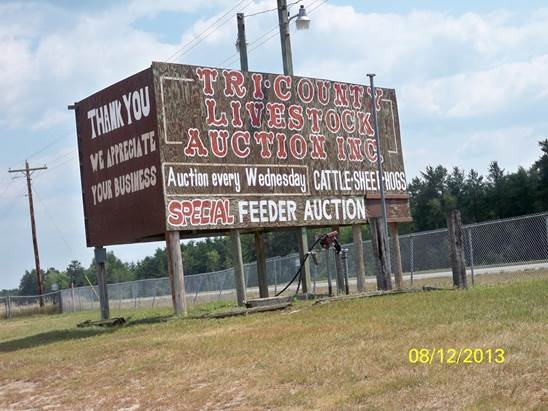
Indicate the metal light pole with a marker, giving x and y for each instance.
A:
(379, 168)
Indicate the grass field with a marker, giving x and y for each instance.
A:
(341, 355)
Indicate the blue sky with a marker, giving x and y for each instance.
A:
(470, 78)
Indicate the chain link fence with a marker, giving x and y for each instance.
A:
(493, 247)
(22, 305)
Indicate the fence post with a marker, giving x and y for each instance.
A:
(329, 282)
(60, 294)
(546, 223)
(412, 257)
(344, 256)
(278, 266)
(471, 248)
(9, 308)
(456, 244)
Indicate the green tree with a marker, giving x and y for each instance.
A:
(76, 273)
(541, 170)
(152, 267)
(52, 277)
(28, 284)
(496, 187)
(475, 198)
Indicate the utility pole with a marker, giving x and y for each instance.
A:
(287, 60)
(27, 171)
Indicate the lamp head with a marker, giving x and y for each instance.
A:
(303, 21)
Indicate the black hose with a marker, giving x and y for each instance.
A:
(297, 274)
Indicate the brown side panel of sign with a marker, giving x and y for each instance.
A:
(120, 163)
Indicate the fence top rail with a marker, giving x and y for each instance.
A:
(507, 220)
(36, 296)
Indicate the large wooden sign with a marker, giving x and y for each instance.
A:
(178, 147)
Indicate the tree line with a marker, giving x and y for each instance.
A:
(498, 195)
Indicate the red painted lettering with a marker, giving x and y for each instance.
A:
(234, 83)
(257, 86)
(318, 146)
(207, 76)
(255, 112)
(356, 94)
(280, 142)
(265, 139)
(218, 141)
(296, 119)
(355, 149)
(314, 115)
(211, 118)
(364, 124)
(195, 144)
(238, 138)
(332, 121)
(297, 146)
(348, 120)
(305, 90)
(341, 98)
(236, 117)
(341, 153)
(280, 80)
(324, 91)
(275, 115)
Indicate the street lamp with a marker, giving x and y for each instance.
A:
(302, 22)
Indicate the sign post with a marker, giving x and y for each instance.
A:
(100, 265)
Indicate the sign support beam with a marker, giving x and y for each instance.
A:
(358, 251)
(175, 259)
(239, 277)
(100, 266)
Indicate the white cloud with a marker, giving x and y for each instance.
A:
(479, 93)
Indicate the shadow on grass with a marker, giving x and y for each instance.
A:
(50, 337)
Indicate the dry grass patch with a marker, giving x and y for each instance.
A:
(350, 354)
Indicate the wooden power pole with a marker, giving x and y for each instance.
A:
(27, 171)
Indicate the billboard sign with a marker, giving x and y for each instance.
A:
(232, 150)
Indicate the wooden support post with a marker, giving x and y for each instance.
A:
(379, 240)
(261, 265)
(360, 261)
(396, 253)
(339, 275)
(239, 279)
(456, 245)
(303, 250)
(175, 260)
(170, 273)
(100, 266)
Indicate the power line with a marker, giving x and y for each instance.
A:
(207, 32)
(233, 58)
(6, 188)
(44, 148)
(11, 205)
(52, 221)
